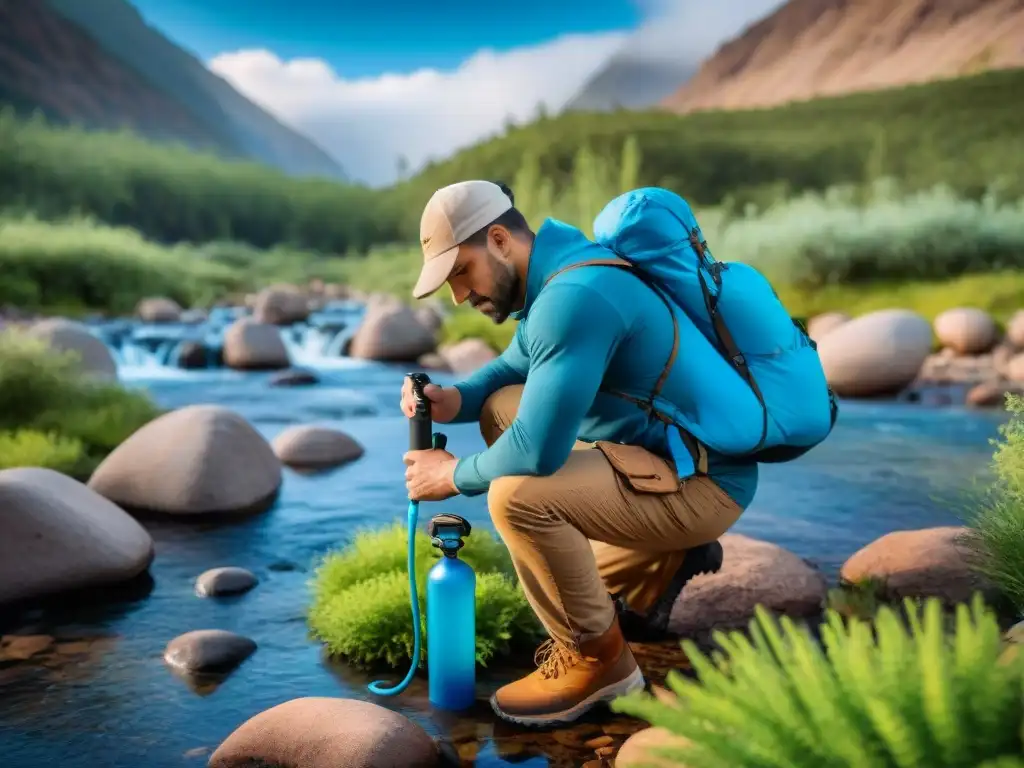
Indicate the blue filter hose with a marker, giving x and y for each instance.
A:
(420, 438)
(376, 686)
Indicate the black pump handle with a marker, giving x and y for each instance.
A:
(421, 424)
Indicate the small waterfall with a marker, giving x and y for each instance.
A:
(149, 349)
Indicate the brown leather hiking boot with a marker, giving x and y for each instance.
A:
(566, 684)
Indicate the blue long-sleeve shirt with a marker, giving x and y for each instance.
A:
(591, 327)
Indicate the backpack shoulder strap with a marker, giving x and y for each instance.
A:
(697, 451)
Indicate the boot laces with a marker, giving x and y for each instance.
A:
(553, 658)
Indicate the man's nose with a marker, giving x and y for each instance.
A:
(459, 294)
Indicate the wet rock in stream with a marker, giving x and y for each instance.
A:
(208, 650)
(229, 580)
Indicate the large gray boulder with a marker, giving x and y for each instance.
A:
(201, 459)
(62, 335)
(255, 346)
(391, 331)
(317, 732)
(753, 572)
(56, 535)
(281, 305)
(876, 354)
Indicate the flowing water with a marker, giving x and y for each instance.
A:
(102, 696)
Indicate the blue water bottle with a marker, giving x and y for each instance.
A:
(451, 618)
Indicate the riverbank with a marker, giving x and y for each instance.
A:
(105, 672)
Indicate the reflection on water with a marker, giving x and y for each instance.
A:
(99, 694)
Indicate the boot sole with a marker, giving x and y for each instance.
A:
(635, 681)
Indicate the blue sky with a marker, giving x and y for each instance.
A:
(373, 82)
(360, 39)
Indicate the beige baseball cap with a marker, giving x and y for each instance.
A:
(453, 214)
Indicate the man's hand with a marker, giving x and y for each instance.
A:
(445, 402)
(430, 475)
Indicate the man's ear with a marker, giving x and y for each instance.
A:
(501, 238)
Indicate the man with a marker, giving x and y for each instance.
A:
(580, 483)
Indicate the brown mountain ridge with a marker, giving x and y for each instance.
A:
(812, 48)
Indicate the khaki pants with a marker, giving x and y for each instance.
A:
(586, 531)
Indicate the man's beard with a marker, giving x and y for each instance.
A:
(498, 306)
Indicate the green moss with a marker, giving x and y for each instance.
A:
(884, 693)
(360, 606)
(51, 416)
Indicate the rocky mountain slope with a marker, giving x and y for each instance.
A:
(100, 65)
(811, 48)
(631, 80)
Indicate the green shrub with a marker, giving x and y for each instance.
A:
(360, 606)
(877, 694)
(31, 448)
(996, 521)
(52, 416)
(853, 236)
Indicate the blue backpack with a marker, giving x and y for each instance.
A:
(735, 308)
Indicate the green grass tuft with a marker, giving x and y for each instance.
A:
(360, 606)
(51, 416)
(880, 694)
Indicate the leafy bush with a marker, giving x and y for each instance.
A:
(847, 236)
(51, 416)
(360, 607)
(876, 695)
(996, 523)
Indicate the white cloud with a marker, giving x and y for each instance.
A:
(426, 114)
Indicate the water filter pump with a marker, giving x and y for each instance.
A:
(451, 589)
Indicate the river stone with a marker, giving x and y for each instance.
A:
(1015, 330)
(966, 330)
(320, 732)
(467, 355)
(252, 345)
(390, 331)
(192, 355)
(638, 750)
(992, 394)
(158, 309)
(95, 359)
(59, 535)
(293, 377)
(917, 564)
(429, 317)
(1015, 368)
(876, 354)
(281, 305)
(821, 324)
(752, 572)
(225, 581)
(195, 460)
(208, 650)
(315, 447)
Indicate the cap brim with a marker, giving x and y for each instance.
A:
(435, 273)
